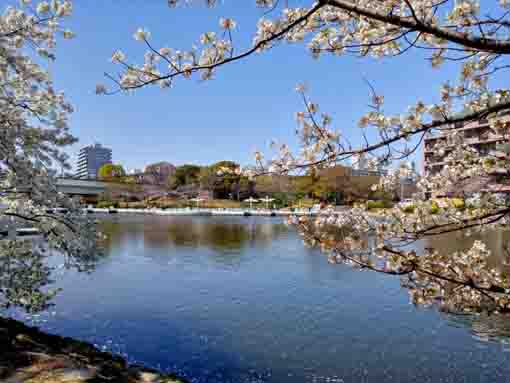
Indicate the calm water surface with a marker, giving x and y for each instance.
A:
(220, 299)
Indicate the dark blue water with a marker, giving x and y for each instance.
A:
(241, 300)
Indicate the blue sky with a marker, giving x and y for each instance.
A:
(243, 108)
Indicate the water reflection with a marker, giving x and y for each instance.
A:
(496, 241)
(494, 328)
(220, 234)
(226, 238)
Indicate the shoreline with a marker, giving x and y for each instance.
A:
(30, 355)
(202, 212)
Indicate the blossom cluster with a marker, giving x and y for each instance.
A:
(33, 131)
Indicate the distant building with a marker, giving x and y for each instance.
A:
(366, 172)
(154, 174)
(360, 167)
(90, 160)
(144, 178)
(476, 134)
(160, 171)
(350, 182)
(359, 162)
(275, 183)
(408, 187)
(480, 136)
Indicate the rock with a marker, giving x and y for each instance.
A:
(28, 355)
(58, 376)
(50, 364)
(149, 377)
(77, 375)
(3, 372)
(24, 338)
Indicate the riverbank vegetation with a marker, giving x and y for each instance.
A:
(222, 185)
(163, 203)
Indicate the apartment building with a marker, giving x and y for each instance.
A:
(478, 135)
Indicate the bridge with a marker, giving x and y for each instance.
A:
(89, 190)
(79, 187)
(74, 186)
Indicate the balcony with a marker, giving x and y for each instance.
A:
(436, 163)
(484, 139)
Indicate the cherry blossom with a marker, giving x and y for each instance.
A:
(33, 131)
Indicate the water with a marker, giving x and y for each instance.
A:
(239, 299)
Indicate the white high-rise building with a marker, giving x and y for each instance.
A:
(90, 159)
(359, 162)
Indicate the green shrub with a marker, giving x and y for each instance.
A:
(434, 208)
(458, 203)
(409, 208)
(107, 204)
(381, 204)
(489, 162)
(375, 205)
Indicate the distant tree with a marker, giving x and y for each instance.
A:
(222, 178)
(310, 185)
(246, 187)
(129, 179)
(207, 178)
(281, 199)
(109, 171)
(184, 175)
(160, 171)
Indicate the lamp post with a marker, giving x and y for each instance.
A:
(251, 200)
(197, 200)
(267, 200)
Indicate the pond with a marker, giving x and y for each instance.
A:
(239, 299)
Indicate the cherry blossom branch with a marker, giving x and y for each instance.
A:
(214, 65)
(409, 266)
(483, 44)
(36, 219)
(424, 128)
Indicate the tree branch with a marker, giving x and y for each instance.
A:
(480, 43)
(249, 52)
